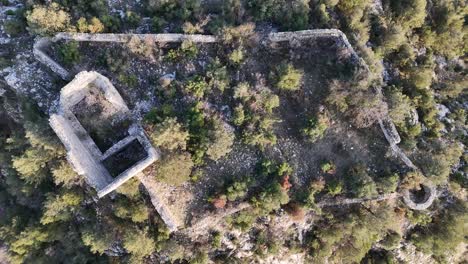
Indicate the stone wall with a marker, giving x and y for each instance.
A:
(41, 55)
(82, 161)
(109, 37)
(430, 195)
(150, 183)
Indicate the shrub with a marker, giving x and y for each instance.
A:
(289, 15)
(196, 86)
(46, 20)
(188, 49)
(237, 190)
(288, 78)
(221, 140)
(242, 220)
(237, 56)
(60, 207)
(111, 23)
(216, 239)
(316, 127)
(389, 184)
(145, 48)
(242, 91)
(13, 27)
(138, 243)
(129, 80)
(169, 134)
(418, 218)
(137, 212)
(328, 167)
(65, 175)
(98, 243)
(175, 168)
(217, 75)
(270, 199)
(295, 211)
(132, 19)
(93, 26)
(359, 183)
(391, 241)
(334, 187)
(239, 115)
(69, 52)
(130, 188)
(268, 101)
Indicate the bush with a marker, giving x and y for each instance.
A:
(93, 26)
(217, 75)
(129, 80)
(60, 207)
(137, 212)
(328, 167)
(175, 168)
(242, 220)
(98, 243)
(270, 199)
(316, 127)
(65, 175)
(132, 19)
(359, 183)
(237, 190)
(111, 23)
(388, 184)
(13, 27)
(391, 241)
(288, 78)
(237, 56)
(169, 134)
(130, 188)
(221, 140)
(138, 243)
(196, 86)
(239, 115)
(334, 187)
(69, 52)
(47, 20)
(289, 15)
(189, 49)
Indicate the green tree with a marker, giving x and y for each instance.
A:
(60, 207)
(316, 127)
(169, 134)
(442, 237)
(64, 175)
(70, 53)
(97, 241)
(138, 243)
(175, 168)
(136, 211)
(288, 78)
(221, 140)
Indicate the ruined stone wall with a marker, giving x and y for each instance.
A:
(430, 195)
(83, 162)
(149, 183)
(135, 132)
(109, 37)
(40, 55)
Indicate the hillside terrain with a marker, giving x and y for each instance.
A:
(304, 131)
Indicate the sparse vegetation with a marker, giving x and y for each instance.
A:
(226, 117)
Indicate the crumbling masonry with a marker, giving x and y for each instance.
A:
(83, 153)
(85, 156)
